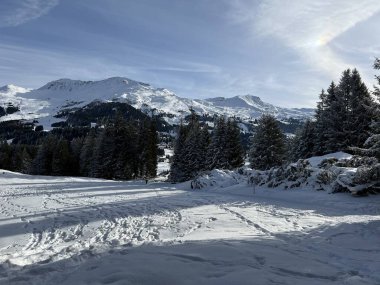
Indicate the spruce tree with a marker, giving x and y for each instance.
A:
(216, 157)
(86, 158)
(371, 146)
(177, 168)
(234, 149)
(303, 144)
(204, 142)
(268, 144)
(61, 160)
(343, 115)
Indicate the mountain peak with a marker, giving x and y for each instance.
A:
(251, 99)
(13, 89)
(66, 84)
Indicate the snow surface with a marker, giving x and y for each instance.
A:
(316, 160)
(55, 96)
(64, 230)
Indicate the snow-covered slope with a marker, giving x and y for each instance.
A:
(55, 96)
(29, 108)
(66, 230)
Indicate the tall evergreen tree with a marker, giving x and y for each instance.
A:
(268, 144)
(61, 160)
(303, 144)
(343, 115)
(178, 166)
(234, 149)
(371, 146)
(86, 158)
(216, 153)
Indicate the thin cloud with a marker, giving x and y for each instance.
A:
(15, 13)
(306, 26)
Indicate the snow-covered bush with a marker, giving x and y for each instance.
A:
(358, 175)
(218, 178)
(354, 174)
(292, 175)
(357, 161)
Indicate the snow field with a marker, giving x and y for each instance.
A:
(65, 230)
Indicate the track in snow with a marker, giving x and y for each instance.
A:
(74, 230)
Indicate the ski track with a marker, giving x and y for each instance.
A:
(55, 221)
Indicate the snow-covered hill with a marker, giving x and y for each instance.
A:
(45, 102)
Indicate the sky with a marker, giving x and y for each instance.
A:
(284, 51)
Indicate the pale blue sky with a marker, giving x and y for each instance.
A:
(284, 51)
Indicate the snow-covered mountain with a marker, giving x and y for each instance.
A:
(66, 94)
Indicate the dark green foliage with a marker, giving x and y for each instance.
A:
(121, 150)
(371, 146)
(196, 151)
(178, 166)
(234, 150)
(303, 143)
(62, 159)
(2, 111)
(216, 157)
(42, 163)
(344, 115)
(268, 145)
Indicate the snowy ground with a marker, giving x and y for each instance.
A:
(88, 231)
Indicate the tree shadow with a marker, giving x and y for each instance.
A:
(164, 197)
(282, 260)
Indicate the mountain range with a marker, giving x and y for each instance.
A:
(66, 95)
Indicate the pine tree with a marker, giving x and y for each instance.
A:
(371, 146)
(151, 150)
(26, 161)
(343, 115)
(216, 153)
(361, 112)
(204, 142)
(86, 158)
(303, 144)
(5, 156)
(234, 149)
(61, 160)
(177, 168)
(42, 163)
(322, 124)
(268, 144)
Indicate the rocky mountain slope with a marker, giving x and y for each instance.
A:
(66, 95)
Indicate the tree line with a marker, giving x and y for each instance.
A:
(120, 150)
(197, 150)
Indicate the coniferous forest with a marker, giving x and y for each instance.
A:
(120, 149)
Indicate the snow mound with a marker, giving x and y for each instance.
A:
(316, 160)
(218, 178)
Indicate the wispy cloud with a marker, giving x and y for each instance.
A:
(15, 13)
(309, 27)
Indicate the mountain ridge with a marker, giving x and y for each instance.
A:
(45, 102)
